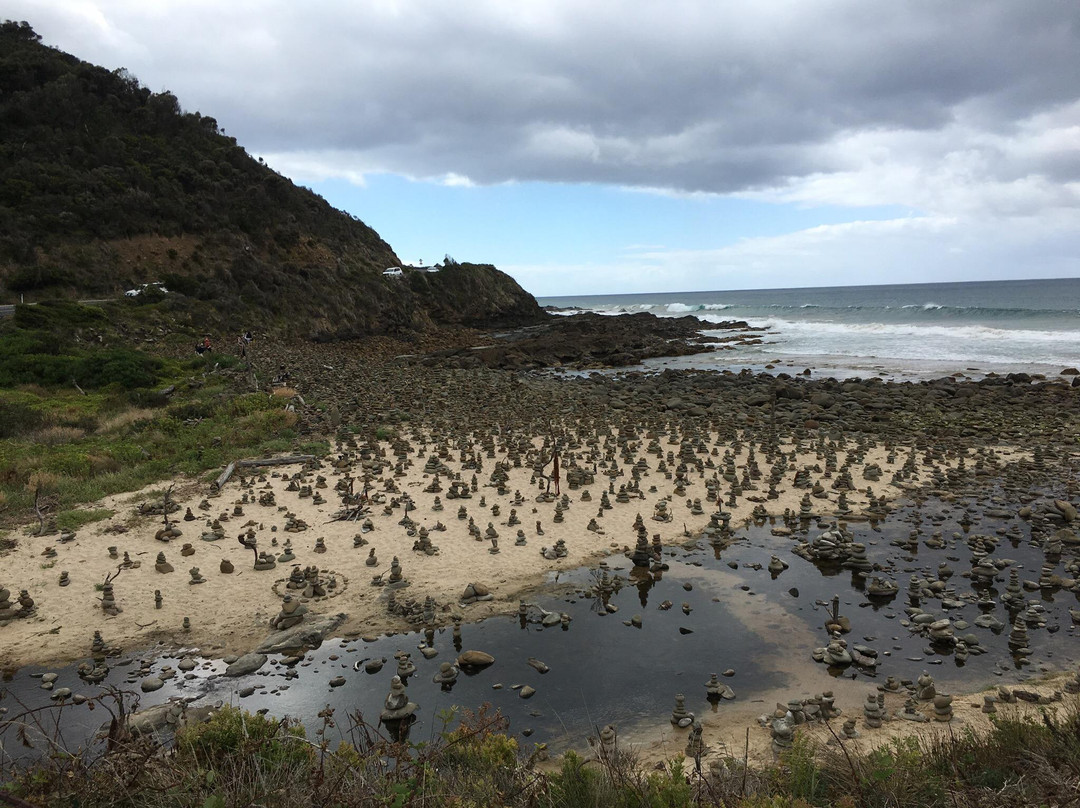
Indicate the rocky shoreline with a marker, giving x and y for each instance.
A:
(587, 341)
(461, 518)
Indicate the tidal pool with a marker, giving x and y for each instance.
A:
(710, 611)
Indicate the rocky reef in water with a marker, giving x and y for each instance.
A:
(587, 341)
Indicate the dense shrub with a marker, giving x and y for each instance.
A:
(128, 369)
(17, 419)
(232, 731)
(241, 759)
(92, 154)
(57, 314)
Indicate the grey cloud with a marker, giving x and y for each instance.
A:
(683, 95)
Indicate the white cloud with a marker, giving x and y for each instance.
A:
(967, 113)
(919, 249)
(691, 95)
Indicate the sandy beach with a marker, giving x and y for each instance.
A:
(462, 425)
(230, 613)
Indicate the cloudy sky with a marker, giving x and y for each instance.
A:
(630, 146)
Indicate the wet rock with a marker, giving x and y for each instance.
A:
(248, 663)
(309, 634)
(475, 659)
(151, 683)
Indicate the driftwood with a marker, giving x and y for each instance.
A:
(276, 461)
(11, 799)
(165, 500)
(37, 510)
(224, 477)
(351, 513)
(247, 464)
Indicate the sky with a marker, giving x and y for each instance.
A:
(617, 146)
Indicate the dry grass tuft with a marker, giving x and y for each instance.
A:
(125, 419)
(42, 481)
(58, 435)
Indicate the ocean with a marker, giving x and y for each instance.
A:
(902, 331)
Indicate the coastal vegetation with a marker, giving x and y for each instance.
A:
(85, 413)
(105, 185)
(237, 758)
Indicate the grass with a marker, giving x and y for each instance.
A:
(77, 449)
(236, 758)
(75, 518)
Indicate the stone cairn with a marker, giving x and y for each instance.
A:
(695, 746)
(608, 743)
(873, 713)
(108, 600)
(717, 690)
(398, 712)
(446, 676)
(11, 611)
(680, 716)
(291, 614)
(943, 707)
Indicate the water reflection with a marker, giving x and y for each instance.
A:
(736, 614)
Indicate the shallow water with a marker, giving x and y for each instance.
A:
(761, 625)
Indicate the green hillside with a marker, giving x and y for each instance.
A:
(104, 184)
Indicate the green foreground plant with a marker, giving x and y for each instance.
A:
(236, 758)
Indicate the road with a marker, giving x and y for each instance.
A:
(8, 309)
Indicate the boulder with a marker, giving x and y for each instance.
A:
(151, 683)
(474, 659)
(1066, 509)
(248, 663)
(309, 634)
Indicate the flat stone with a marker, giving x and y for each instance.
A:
(248, 663)
(309, 634)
